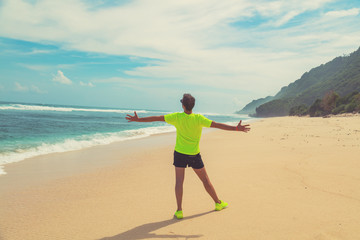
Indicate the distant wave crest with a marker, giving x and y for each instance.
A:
(63, 109)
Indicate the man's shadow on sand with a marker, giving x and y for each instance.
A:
(144, 231)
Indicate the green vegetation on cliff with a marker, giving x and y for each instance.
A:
(331, 103)
(341, 75)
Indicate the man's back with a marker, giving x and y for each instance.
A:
(188, 129)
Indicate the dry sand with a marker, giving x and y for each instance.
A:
(288, 178)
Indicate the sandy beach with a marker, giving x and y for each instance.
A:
(288, 178)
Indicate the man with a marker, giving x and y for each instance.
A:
(187, 152)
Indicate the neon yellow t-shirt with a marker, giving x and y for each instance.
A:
(188, 131)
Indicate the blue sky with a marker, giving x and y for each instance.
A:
(146, 54)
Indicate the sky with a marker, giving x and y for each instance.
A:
(144, 54)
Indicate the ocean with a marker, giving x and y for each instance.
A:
(29, 130)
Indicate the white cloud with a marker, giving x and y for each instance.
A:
(61, 78)
(343, 13)
(284, 11)
(20, 88)
(89, 84)
(36, 89)
(171, 29)
(286, 18)
(35, 67)
(39, 51)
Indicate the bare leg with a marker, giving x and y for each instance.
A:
(180, 175)
(207, 184)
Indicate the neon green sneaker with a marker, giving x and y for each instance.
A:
(179, 214)
(221, 205)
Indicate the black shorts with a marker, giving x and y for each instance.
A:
(184, 160)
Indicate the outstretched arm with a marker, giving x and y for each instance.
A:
(135, 118)
(223, 126)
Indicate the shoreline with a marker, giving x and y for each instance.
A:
(288, 177)
(39, 169)
(84, 144)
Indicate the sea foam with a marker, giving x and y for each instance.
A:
(79, 143)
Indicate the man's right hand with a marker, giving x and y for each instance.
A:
(242, 128)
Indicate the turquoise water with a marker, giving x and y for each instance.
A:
(28, 130)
